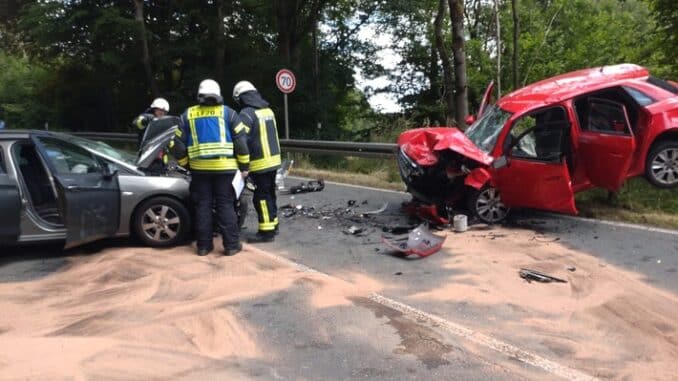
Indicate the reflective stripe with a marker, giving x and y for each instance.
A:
(178, 132)
(244, 159)
(266, 163)
(140, 122)
(222, 130)
(266, 225)
(240, 127)
(183, 161)
(215, 164)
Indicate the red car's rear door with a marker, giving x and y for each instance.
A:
(606, 144)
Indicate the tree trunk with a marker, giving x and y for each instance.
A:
(220, 41)
(516, 33)
(448, 81)
(460, 81)
(286, 22)
(143, 40)
(498, 39)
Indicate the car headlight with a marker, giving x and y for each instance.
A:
(408, 168)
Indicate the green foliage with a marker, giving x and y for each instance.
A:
(23, 92)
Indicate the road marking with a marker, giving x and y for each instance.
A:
(456, 329)
(556, 215)
(614, 223)
(353, 186)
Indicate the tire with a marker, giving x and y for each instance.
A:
(486, 205)
(661, 166)
(161, 222)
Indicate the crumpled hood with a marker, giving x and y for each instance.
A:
(422, 145)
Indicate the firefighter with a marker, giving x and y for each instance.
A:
(216, 147)
(159, 108)
(264, 148)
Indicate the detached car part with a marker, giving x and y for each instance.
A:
(419, 241)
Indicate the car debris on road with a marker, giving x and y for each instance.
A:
(533, 275)
(419, 241)
(311, 186)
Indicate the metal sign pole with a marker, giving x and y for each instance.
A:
(287, 120)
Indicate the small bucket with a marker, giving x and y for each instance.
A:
(460, 223)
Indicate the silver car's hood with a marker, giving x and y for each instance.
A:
(156, 137)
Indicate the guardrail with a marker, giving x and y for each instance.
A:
(325, 147)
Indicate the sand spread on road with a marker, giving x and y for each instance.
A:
(605, 321)
(141, 313)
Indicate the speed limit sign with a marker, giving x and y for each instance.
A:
(286, 81)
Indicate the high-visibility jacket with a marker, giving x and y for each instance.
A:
(262, 133)
(215, 139)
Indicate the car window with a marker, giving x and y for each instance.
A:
(539, 136)
(69, 158)
(606, 117)
(639, 96)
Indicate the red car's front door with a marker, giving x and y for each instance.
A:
(606, 144)
(536, 174)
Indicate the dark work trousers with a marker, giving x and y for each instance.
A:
(265, 201)
(207, 191)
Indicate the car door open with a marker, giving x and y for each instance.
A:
(606, 143)
(536, 173)
(88, 194)
(10, 207)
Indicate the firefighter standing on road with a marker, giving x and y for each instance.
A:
(264, 149)
(216, 145)
(159, 108)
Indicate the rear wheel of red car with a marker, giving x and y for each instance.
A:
(661, 167)
(486, 204)
(161, 222)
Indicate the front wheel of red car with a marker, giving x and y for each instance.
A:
(486, 204)
(661, 167)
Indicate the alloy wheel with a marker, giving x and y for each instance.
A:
(665, 166)
(489, 206)
(160, 223)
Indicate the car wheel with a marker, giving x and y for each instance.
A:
(486, 205)
(661, 168)
(161, 222)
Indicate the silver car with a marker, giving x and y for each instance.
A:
(59, 187)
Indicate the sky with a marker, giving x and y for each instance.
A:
(381, 102)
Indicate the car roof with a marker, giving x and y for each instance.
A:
(569, 85)
(24, 134)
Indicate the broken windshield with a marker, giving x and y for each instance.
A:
(485, 131)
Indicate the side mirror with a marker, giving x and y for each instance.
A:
(108, 174)
(470, 119)
(500, 162)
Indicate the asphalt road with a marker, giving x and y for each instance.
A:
(392, 334)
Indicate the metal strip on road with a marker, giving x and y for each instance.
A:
(456, 329)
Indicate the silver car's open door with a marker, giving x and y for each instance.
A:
(88, 194)
(10, 209)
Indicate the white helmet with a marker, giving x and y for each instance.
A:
(242, 87)
(160, 103)
(209, 87)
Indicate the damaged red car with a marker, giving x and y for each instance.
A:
(536, 147)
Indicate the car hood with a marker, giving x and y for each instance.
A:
(423, 144)
(156, 137)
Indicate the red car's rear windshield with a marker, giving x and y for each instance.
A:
(663, 84)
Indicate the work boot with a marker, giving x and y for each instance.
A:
(233, 251)
(276, 231)
(204, 251)
(261, 237)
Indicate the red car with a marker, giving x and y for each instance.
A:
(540, 144)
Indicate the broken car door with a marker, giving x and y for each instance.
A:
(10, 205)
(88, 194)
(606, 143)
(536, 174)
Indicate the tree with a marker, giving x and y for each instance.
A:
(441, 50)
(143, 41)
(460, 79)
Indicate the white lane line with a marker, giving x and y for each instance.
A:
(614, 223)
(624, 225)
(486, 341)
(353, 186)
(456, 329)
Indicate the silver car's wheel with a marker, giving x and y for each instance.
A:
(161, 222)
(662, 165)
(486, 204)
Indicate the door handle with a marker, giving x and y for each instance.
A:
(81, 188)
